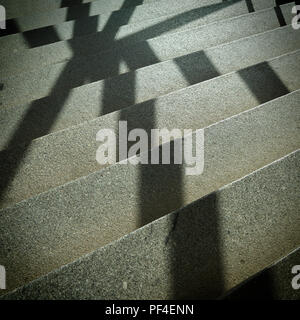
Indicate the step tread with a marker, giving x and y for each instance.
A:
(164, 47)
(243, 90)
(19, 8)
(95, 210)
(191, 16)
(95, 8)
(173, 235)
(150, 81)
(146, 260)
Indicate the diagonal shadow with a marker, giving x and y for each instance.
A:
(70, 79)
(170, 193)
(186, 282)
(48, 35)
(259, 78)
(58, 95)
(250, 6)
(44, 124)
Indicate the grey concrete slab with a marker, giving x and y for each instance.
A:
(147, 52)
(58, 226)
(150, 81)
(198, 252)
(36, 166)
(175, 20)
(48, 18)
(272, 283)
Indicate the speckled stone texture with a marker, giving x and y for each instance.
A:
(272, 283)
(200, 251)
(164, 47)
(73, 229)
(175, 20)
(121, 8)
(64, 223)
(151, 81)
(18, 8)
(28, 8)
(48, 157)
(278, 76)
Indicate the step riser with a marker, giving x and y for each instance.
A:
(198, 252)
(163, 48)
(146, 29)
(78, 217)
(151, 81)
(243, 90)
(40, 20)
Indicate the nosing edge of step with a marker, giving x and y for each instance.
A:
(219, 46)
(147, 19)
(167, 35)
(166, 216)
(72, 127)
(109, 167)
(107, 13)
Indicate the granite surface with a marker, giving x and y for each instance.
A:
(144, 29)
(164, 47)
(45, 163)
(62, 224)
(201, 251)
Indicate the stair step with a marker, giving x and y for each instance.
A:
(200, 251)
(95, 8)
(147, 82)
(147, 52)
(71, 228)
(64, 223)
(272, 283)
(176, 19)
(19, 8)
(45, 163)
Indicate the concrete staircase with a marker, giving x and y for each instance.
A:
(73, 229)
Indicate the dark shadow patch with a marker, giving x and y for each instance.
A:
(259, 288)
(250, 6)
(40, 37)
(280, 16)
(70, 3)
(194, 239)
(272, 283)
(263, 82)
(11, 28)
(281, 2)
(196, 67)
